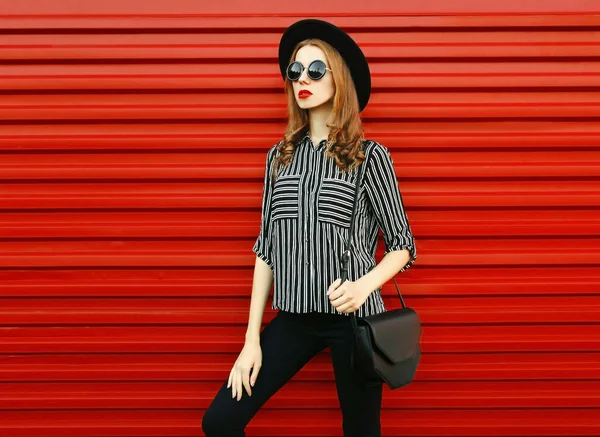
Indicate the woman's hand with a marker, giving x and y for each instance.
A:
(347, 297)
(250, 358)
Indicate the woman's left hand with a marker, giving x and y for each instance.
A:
(347, 297)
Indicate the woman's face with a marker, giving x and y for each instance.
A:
(322, 89)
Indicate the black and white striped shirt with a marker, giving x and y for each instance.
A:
(306, 220)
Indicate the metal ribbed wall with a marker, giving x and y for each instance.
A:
(131, 159)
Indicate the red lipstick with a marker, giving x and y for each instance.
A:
(303, 94)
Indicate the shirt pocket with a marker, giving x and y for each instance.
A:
(335, 202)
(284, 202)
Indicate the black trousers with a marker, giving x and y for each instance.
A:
(288, 342)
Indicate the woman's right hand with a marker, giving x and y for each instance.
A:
(250, 358)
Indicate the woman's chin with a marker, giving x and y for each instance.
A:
(302, 103)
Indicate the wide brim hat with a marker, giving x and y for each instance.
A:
(340, 40)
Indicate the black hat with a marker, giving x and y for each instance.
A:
(340, 40)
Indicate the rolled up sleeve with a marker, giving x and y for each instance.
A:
(381, 184)
(263, 247)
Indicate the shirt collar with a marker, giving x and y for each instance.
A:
(308, 142)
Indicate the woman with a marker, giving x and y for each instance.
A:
(308, 192)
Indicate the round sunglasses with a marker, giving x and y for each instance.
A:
(316, 70)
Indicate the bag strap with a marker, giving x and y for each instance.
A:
(346, 253)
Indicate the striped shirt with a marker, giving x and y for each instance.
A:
(306, 219)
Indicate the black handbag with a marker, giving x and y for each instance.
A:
(387, 345)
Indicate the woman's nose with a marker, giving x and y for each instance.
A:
(304, 76)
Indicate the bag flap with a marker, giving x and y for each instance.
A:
(396, 333)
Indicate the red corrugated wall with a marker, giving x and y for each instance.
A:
(132, 146)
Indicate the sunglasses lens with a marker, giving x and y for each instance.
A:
(316, 70)
(294, 71)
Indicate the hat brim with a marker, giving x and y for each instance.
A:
(340, 40)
